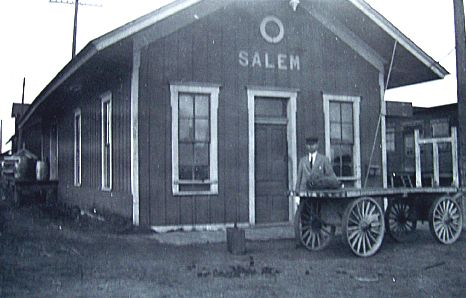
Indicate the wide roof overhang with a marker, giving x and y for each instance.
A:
(411, 65)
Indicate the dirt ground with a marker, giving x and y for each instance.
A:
(44, 254)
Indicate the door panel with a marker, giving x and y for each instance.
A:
(271, 173)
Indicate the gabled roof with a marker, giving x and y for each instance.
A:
(358, 17)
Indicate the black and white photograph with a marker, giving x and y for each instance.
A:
(233, 148)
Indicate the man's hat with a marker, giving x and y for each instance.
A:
(312, 140)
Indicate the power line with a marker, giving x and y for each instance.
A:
(72, 2)
(76, 4)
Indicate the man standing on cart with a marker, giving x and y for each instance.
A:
(315, 170)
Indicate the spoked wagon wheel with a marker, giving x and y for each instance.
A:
(400, 220)
(310, 231)
(445, 220)
(363, 226)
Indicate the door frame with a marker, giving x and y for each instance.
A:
(291, 96)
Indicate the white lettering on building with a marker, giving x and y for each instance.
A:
(259, 60)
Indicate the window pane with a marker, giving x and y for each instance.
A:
(409, 145)
(106, 122)
(202, 106)
(201, 172)
(346, 160)
(77, 153)
(440, 129)
(390, 135)
(347, 132)
(202, 130)
(107, 165)
(186, 173)
(201, 154)
(409, 141)
(334, 112)
(347, 112)
(186, 106)
(195, 187)
(186, 130)
(269, 107)
(342, 160)
(335, 131)
(185, 154)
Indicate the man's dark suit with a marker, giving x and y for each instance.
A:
(321, 176)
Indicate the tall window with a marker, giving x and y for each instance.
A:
(342, 136)
(408, 135)
(77, 147)
(390, 139)
(409, 144)
(194, 133)
(107, 141)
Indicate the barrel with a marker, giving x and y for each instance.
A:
(24, 168)
(42, 170)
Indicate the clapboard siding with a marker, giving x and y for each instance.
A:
(207, 52)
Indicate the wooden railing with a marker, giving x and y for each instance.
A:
(453, 140)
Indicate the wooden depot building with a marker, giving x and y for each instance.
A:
(195, 115)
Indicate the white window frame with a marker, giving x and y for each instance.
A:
(356, 178)
(77, 171)
(106, 98)
(213, 91)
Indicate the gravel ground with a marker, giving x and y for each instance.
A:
(49, 255)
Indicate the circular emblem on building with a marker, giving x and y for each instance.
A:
(272, 29)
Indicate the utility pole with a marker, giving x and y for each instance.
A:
(460, 43)
(24, 86)
(75, 28)
(1, 136)
(75, 21)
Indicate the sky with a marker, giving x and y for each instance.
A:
(37, 40)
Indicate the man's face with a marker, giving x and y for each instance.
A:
(311, 148)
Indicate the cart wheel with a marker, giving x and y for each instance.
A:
(309, 230)
(400, 220)
(363, 226)
(445, 220)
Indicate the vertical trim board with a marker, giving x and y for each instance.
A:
(134, 160)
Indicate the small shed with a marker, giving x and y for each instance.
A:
(194, 116)
(432, 122)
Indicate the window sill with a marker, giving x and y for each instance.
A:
(195, 193)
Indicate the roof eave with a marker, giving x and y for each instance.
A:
(104, 42)
(87, 53)
(397, 35)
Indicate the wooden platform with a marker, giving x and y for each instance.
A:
(47, 188)
(378, 192)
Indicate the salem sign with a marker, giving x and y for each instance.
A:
(280, 61)
(264, 59)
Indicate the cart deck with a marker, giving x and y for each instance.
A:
(378, 192)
